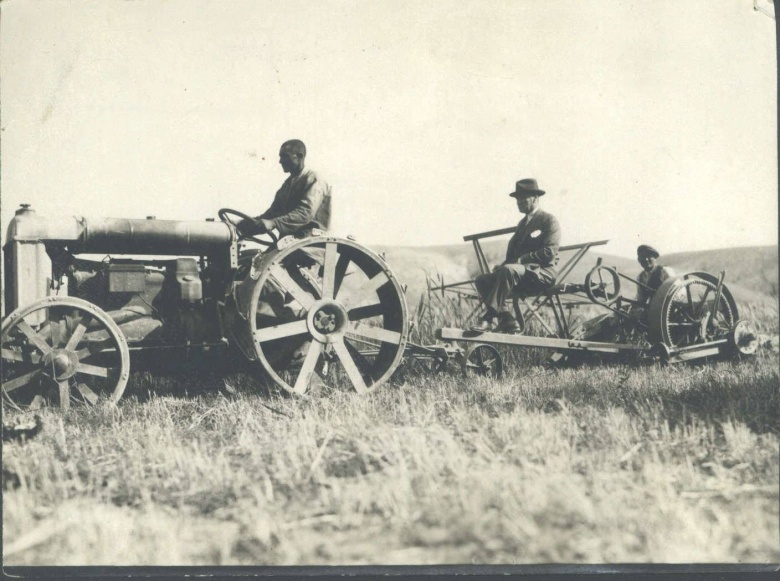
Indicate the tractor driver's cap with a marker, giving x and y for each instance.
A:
(526, 187)
(646, 250)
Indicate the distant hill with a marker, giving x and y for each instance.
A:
(751, 272)
(752, 268)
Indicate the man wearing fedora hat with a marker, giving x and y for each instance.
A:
(530, 264)
(652, 275)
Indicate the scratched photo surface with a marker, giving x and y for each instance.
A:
(644, 124)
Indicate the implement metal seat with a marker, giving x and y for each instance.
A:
(542, 295)
(539, 295)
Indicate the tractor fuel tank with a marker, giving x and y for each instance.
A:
(121, 235)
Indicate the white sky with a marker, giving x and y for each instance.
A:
(645, 121)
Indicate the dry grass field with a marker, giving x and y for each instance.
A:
(203, 464)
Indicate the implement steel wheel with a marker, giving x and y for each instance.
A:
(683, 311)
(343, 315)
(59, 349)
(484, 360)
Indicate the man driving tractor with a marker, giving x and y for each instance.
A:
(530, 264)
(301, 204)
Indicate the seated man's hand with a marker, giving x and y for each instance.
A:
(246, 225)
(252, 226)
(265, 225)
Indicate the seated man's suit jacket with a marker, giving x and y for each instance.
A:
(535, 245)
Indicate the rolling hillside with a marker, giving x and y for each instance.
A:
(751, 272)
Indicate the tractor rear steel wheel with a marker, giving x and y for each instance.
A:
(343, 318)
(62, 349)
(683, 312)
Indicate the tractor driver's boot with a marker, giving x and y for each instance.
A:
(506, 324)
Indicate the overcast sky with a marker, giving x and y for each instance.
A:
(645, 122)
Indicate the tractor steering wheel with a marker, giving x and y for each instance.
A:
(225, 212)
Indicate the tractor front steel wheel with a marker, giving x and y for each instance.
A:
(342, 317)
(62, 349)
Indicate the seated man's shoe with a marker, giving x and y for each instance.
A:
(483, 326)
(507, 324)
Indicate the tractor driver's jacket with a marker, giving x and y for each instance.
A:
(302, 203)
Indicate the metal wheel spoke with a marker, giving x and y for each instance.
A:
(376, 333)
(78, 333)
(366, 312)
(280, 331)
(87, 393)
(36, 403)
(329, 270)
(703, 301)
(369, 287)
(307, 369)
(360, 356)
(84, 353)
(349, 366)
(64, 394)
(341, 271)
(287, 283)
(20, 381)
(93, 370)
(11, 355)
(33, 337)
(93, 349)
(689, 296)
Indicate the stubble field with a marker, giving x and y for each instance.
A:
(202, 463)
(599, 464)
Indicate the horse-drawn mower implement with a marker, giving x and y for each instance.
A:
(691, 316)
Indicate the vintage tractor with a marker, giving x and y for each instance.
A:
(81, 294)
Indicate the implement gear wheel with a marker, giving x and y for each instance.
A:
(682, 311)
